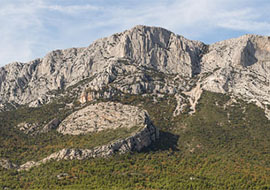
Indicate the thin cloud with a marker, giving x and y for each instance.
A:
(20, 28)
(73, 9)
(248, 20)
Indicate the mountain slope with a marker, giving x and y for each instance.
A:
(237, 66)
(154, 48)
(240, 67)
(224, 145)
(209, 102)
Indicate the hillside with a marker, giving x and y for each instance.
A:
(141, 109)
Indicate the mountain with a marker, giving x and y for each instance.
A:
(145, 92)
(141, 47)
(236, 66)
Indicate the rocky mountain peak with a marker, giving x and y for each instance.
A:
(243, 51)
(150, 47)
(143, 60)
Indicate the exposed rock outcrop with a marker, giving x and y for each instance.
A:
(53, 124)
(101, 116)
(240, 67)
(145, 47)
(193, 97)
(86, 97)
(7, 164)
(136, 142)
(28, 128)
(62, 175)
(143, 60)
(98, 117)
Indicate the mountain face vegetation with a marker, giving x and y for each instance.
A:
(141, 109)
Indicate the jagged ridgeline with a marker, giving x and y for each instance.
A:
(141, 109)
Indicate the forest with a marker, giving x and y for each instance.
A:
(222, 146)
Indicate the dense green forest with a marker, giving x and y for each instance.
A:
(221, 146)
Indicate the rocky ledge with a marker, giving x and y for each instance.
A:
(101, 116)
(136, 142)
(7, 164)
(98, 117)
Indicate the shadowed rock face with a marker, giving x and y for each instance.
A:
(248, 55)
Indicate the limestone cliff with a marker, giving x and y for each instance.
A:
(142, 47)
(240, 67)
(143, 60)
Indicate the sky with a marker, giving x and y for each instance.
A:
(29, 29)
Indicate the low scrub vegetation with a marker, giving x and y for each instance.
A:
(224, 145)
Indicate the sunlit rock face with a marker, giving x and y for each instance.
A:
(143, 60)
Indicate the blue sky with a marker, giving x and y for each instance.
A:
(31, 28)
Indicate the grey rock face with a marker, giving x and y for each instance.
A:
(240, 67)
(101, 116)
(144, 60)
(28, 128)
(136, 142)
(98, 117)
(53, 124)
(7, 164)
(62, 175)
(149, 47)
